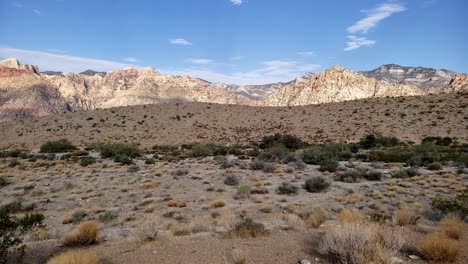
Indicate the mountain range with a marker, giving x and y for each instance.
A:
(26, 92)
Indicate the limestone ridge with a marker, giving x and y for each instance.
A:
(26, 92)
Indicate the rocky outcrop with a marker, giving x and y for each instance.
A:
(15, 64)
(336, 85)
(421, 77)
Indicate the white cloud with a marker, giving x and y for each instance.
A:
(306, 53)
(59, 62)
(180, 41)
(357, 42)
(201, 61)
(374, 16)
(130, 59)
(235, 58)
(37, 11)
(57, 51)
(236, 2)
(270, 72)
(17, 4)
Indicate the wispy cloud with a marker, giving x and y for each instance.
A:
(180, 41)
(59, 62)
(57, 51)
(201, 61)
(236, 2)
(374, 16)
(36, 11)
(269, 72)
(236, 58)
(130, 59)
(17, 4)
(355, 42)
(306, 53)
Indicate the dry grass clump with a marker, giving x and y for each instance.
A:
(181, 204)
(239, 256)
(74, 257)
(218, 203)
(438, 247)
(85, 234)
(360, 243)
(404, 217)
(147, 231)
(453, 227)
(180, 229)
(151, 184)
(266, 209)
(350, 216)
(247, 229)
(316, 218)
(172, 203)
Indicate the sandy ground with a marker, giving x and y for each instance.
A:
(409, 118)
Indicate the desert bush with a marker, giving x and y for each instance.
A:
(243, 192)
(435, 166)
(147, 231)
(404, 217)
(453, 227)
(85, 234)
(87, 160)
(74, 257)
(257, 165)
(317, 184)
(269, 168)
(78, 215)
(373, 141)
(401, 174)
(316, 218)
(275, 153)
(205, 150)
(350, 216)
(239, 256)
(218, 203)
(150, 161)
(360, 243)
(108, 216)
(4, 181)
(180, 172)
(317, 154)
(353, 175)
(329, 165)
(123, 159)
(133, 169)
(231, 180)
(11, 230)
(445, 141)
(14, 206)
(180, 229)
(62, 145)
(457, 204)
(287, 188)
(374, 176)
(438, 247)
(119, 150)
(288, 141)
(247, 228)
(266, 209)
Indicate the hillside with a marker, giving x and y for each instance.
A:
(409, 118)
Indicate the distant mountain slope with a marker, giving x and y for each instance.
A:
(336, 85)
(421, 77)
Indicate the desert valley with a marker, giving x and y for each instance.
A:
(132, 166)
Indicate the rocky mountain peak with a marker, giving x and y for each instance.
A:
(13, 63)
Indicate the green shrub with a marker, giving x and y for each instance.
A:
(434, 166)
(150, 161)
(288, 141)
(269, 168)
(4, 181)
(123, 159)
(353, 175)
(401, 174)
(257, 165)
(446, 141)
(373, 141)
(275, 153)
(317, 184)
(329, 165)
(15, 153)
(78, 215)
(457, 204)
(108, 216)
(231, 180)
(205, 150)
(14, 206)
(287, 188)
(11, 229)
(331, 151)
(119, 150)
(62, 145)
(87, 160)
(374, 176)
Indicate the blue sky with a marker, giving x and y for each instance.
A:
(235, 41)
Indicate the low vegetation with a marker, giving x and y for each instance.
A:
(85, 234)
(62, 145)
